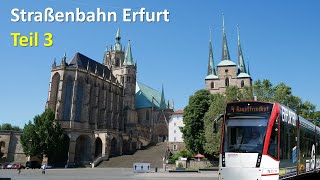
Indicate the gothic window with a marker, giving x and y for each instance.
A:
(212, 85)
(117, 62)
(54, 91)
(93, 105)
(79, 100)
(227, 82)
(147, 115)
(67, 98)
(242, 83)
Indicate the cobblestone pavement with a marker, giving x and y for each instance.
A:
(101, 173)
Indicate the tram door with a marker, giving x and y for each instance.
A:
(288, 148)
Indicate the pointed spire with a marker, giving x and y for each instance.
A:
(117, 45)
(172, 104)
(54, 65)
(211, 68)
(105, 60)
(225, 50)
(241, 64)
(162, 101)
(64, 59)
(128, 59)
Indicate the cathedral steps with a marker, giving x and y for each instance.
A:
(151, 154)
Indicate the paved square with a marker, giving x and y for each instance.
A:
(101, 173)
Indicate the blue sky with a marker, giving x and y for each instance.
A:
(280, 39)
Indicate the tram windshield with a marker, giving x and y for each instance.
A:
(245, 134)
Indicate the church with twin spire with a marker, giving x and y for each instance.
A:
(226, 73)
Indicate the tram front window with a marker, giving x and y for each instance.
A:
(244, 135)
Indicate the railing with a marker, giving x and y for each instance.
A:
(97, 160)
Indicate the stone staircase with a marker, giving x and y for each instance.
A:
(152, 154)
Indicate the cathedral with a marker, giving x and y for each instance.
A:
(227, 73)
(103, 109)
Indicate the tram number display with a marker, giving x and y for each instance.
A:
(249, 108)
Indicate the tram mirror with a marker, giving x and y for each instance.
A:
(215, 127)
(215, 123)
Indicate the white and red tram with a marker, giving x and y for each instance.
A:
(266, 141)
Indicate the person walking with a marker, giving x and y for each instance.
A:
(19, 168)
(43, 167)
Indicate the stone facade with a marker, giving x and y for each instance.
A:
(11, 147)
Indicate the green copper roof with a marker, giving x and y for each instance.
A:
(226, 63)
(211, 69)
(117, 45)
(248, 69)
(128, 59)
(211, 76)
(163, 100)
(243, 75)
(225, 49)
(144, 96)
(241, 64)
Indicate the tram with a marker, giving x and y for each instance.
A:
(266, 141)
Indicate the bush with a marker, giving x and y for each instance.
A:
(180, 165)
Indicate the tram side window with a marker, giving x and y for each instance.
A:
(288, 143)
(273, 144)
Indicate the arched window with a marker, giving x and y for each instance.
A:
(79, 100)
(227, 82)
(117, 62)
(147, 115)
(67, 98)
(212, 85)
(242, 83)
(54, 91)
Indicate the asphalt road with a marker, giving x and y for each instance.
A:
(102, 173)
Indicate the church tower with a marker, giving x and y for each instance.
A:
(227, 72)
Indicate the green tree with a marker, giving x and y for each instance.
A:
(316, 118)
(307, 110)
(263, 90)
(193, 131)
(9, 127)
(43, 136)
(212, 140)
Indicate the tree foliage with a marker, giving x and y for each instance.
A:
(9, 127)
(193, 131)
(212, 140)
(43, 136)
(282, 94)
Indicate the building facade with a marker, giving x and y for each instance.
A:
(226, 73)
(11, 148)
(102, 108)
(175, 135)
